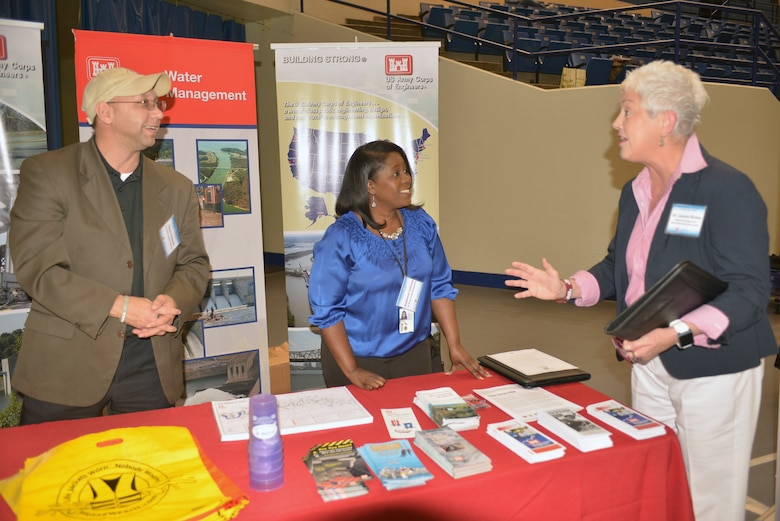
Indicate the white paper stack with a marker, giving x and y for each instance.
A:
(576, 429)
(446, 408)
(525, 441)
(626, 420)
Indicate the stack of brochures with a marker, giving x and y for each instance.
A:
(576, 429)
(452, 452)
(395, 464)
(626, 420)
(525, 441)
(445, 407)
(338, 470)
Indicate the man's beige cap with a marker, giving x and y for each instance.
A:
(121, 82)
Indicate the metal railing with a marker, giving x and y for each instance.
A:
(759, 53)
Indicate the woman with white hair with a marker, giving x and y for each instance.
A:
(701, 375)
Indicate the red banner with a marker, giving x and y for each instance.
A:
(211, 84)
(209, 134)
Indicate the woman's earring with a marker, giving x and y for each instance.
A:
(373, 202)
(661, 142)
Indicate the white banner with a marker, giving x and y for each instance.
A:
(22, 134)
(332, 98)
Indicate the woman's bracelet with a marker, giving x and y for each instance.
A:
(569, 288)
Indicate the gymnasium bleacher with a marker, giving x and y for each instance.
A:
(722, 42)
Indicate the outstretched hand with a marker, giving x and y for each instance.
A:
(544, 284)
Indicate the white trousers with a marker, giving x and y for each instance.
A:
(715, 420)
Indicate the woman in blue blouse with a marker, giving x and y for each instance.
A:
(379, 273)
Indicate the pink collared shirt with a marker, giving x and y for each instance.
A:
(711, 321)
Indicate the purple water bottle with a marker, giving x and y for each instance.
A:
(266, 457)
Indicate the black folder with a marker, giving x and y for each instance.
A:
(534, 380)
(684, 288)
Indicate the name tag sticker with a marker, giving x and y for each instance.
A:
(169, 233)
(686, 220)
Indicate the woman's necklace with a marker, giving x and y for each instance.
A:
(392, 236)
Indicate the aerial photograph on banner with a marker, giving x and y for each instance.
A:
(226, 163)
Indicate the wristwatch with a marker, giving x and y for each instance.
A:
(684, 334)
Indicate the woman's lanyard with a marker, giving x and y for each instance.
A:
(409, 294)
(405, 267)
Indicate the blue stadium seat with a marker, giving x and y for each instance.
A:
(437, 16)
(579, 60)
(493, 33)
(598, 71)
(555, 34)
(519, 62)
(575, 26)
(553, 64)
(598, 29)
(457, 43)
(425, 10)
(527, 32)
(580, 36)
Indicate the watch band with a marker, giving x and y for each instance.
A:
(684, 334)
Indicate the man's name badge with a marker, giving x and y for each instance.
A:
(686, 220)
(169, 233)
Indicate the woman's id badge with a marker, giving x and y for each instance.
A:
(405, 321)
(407, 302)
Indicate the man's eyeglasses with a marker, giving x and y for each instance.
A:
(148, 104)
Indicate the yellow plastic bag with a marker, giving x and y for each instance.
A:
(149, 473)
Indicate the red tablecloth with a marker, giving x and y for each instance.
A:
(636, 480)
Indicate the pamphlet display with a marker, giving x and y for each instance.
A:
(574, 428)
(626, 420)
(446, 408)
(338, 470)
(525, 441)
(452, 452)
(395, 464)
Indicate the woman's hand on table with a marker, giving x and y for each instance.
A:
(460, 357)
(366, 379)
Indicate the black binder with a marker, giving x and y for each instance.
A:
(535, 380)
(684, 288)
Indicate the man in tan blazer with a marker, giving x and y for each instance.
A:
(108, 245)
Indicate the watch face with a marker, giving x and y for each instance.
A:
(685, 340)
(684, 334)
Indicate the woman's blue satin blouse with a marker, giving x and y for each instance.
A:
(356, 277)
